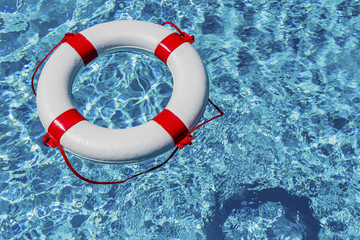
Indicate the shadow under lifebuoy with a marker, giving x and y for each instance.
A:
(296, 210)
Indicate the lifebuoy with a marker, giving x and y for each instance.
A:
(68, 127)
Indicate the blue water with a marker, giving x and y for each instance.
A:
(283, 163)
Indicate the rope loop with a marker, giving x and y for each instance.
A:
(50, 141)
(187, 37)
(66, 37)
(188, 139)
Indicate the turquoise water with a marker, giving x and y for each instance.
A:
(283, 163)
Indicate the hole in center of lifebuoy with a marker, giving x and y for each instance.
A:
(122, 89)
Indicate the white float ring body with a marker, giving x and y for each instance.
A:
(187, 102)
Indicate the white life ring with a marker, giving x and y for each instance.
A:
(185, 108)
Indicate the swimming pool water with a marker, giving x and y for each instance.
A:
(283, 163)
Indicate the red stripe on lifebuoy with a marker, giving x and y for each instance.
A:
(83, 47)
(168, 45)
(64, 122)
(172, 124)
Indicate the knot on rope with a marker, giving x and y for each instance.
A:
(67, 36)
(186, 141)
(187, 37)
(49, 141)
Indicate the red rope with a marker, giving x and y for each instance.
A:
(221, 113)
(187, 140)
(184, 35)
(173, 25)
(65, 39)
(106, 183)
(48, 140)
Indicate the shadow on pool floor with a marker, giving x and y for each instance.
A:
(296, 211)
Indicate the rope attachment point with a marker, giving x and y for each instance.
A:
(49, 141)
(188, 139)
(187, 37)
